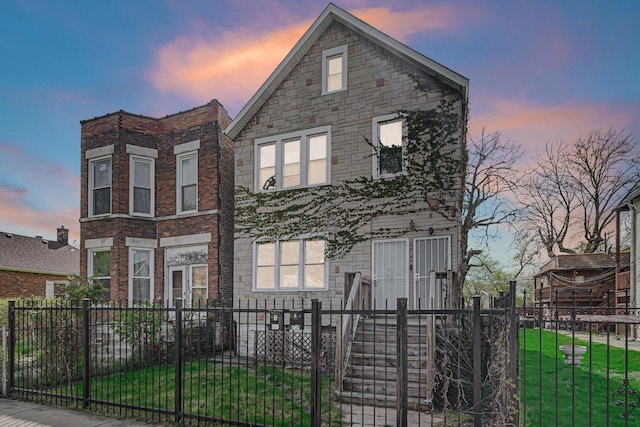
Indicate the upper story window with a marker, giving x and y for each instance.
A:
(290, 265)
(141, 180)
(100, 183)
(293, 160)
(99, 171)
(334, 69)
(187, 176)
(389, 147)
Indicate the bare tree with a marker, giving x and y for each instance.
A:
(574, 188)
(491, 176)
(604, 169)
(549, 199)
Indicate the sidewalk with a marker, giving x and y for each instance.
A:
(15, 413)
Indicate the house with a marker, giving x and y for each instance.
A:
(349, 158)
(157, 205)
(580, 281)
(33, 266)
(628, 222)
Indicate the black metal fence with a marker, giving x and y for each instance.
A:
(580, 359)
(268, 363)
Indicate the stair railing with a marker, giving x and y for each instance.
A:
(359, 299)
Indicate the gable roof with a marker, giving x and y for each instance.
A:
(37, 255)
(330, 14)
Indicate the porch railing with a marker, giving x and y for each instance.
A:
(359, 299)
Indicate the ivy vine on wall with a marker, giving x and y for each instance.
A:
(342, 213)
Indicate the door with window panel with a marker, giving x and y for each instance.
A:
(190, 283)
(432, 261)
(390, 272)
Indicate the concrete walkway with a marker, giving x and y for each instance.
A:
(15, 413)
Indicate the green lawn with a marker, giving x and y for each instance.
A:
(564, 395)
(262, 395)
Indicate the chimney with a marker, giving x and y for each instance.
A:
(63, 235)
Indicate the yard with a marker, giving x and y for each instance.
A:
(593, 393)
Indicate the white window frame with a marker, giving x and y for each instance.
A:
(278, 265)
(326, 56)
(132, 175)
(179, 184)
(377, 121)
(131, 272)
(279, 141)
(92, 162)
(90, 266)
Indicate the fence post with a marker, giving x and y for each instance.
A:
(401, 377)
(477, 364)
(86, 372)
(316, 349)
(178, 353)
(514, 356)
(4, 360)
(12, 344)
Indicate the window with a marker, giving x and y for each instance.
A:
(99, 268)
(334, 69)
(187, 182)
(290, 265)
(100, 186)
(140, 275)
(293, 160)
(141, 183)
(388, 137)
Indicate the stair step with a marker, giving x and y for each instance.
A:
(413, 404)
(370, 359)
(376, 386)
(386, 374)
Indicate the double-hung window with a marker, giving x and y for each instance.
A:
(334, 69)
(187, 176)
(99, 171)
(100, 180)
(290, 265)
(141, 180)
(292, 160)
(389, 147)
(140, 275)
(99, 268)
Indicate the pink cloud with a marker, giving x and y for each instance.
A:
(232, 65)
(531, 124)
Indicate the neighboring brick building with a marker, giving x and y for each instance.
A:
(32, 266)
(327, 125)
(157, 205)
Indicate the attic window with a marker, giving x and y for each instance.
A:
(334, 69)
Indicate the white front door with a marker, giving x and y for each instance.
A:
(432, 261)
(390, 272)
(189, 282)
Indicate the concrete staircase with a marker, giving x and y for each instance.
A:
(371, 373)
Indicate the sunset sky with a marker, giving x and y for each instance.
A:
(538, 70)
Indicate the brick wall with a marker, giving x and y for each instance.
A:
(119, 129)
(21, 284)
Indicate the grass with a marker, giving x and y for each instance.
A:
(586, 395)
(260, 394)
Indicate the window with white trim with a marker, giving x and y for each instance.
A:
(290, 265)
(187, 182)
(141, 186)
(389, 146)
(99, 268)
(292, 160)
(140, 275)
(334, 69)
(100, 186)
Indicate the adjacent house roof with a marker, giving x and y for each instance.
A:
(583, 262)
(330, 14)
(632, 195)
(37, 255)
